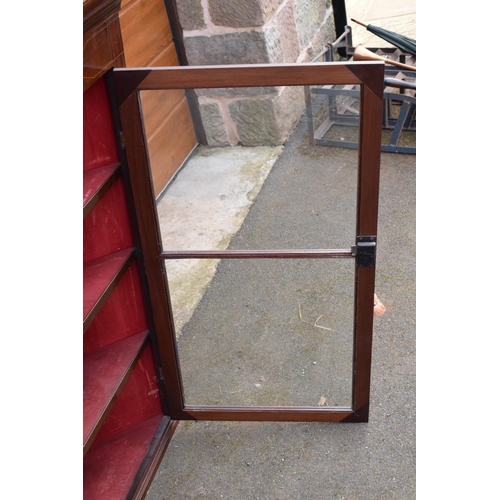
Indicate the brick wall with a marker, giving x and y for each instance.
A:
(253, 32)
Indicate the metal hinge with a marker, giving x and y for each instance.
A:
(122, 140)
(365, 251)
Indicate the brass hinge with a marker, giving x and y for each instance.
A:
(122, 140)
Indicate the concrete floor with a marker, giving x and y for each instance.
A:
(296, 197)
(202, 209)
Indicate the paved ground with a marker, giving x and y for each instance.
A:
(203, 208)
(395, 15)
(268, 351)
(279, 334)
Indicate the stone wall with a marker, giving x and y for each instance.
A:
(253, 32)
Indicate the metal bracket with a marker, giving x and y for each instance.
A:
(365, 251)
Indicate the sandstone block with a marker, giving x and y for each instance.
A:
(241, 13)
(214, 124)
(268, 121)
(282, 37)
(289, 107)
(309, 15)
(247, 47)
(326, 34)
(190, 14)
(256, 122)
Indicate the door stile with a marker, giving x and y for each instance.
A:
(366, 229)
(145, 203)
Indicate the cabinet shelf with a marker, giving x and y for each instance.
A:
(100, 277)
(95, 184)
(105, 371)
(110, 467)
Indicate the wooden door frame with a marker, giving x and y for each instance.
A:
(370, 77)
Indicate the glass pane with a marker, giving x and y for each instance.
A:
(272, 175)
(335, 108)
(263, 166)
(267, 332)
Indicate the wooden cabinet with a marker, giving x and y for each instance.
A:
(137, 33)
(126, 427)
(102, 42)
(124, 418)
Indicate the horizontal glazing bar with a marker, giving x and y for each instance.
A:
(257, 254)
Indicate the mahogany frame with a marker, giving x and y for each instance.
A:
(370, 77)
